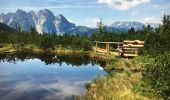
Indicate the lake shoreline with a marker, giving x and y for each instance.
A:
(8, 48)
(130, 74)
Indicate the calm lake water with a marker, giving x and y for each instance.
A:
(28, 76)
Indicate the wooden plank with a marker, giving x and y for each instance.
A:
(134, 41)
(130, 48)
(131, 45)
(130, 51)
(120, 50)
(109, 42)
(130, 55)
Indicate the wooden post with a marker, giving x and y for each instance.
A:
(136, 51)
(106, 46)
(108, 49)
(96, 46)
(118, 45)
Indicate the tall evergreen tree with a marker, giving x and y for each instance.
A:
(131, 31)
(100, 31)
(33, 30)
(18, 28)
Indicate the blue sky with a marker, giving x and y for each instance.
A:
(88, 12)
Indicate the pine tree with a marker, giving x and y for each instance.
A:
(99, 35)
(131, 31)
(100, 26)
(33, 30)
(18, 28)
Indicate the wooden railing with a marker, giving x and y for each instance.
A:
(127, 48)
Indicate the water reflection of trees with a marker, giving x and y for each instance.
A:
(50, 58)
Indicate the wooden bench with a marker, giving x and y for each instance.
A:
(130, 48)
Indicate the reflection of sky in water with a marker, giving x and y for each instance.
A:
(33, 80)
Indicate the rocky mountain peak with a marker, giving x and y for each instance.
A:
(46, 21)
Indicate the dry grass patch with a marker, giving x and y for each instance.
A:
(135, 64)
(118, 87)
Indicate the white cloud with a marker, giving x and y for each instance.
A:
(134, 12)
(92, 22)
(60, 90)
(151, 20)
(123, 4)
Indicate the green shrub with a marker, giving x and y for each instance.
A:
(157, 75)
(47, 43)
(86, 44)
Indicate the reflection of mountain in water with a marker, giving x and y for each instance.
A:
(50, 58)
(38, 76)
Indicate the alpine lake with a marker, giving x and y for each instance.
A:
(46, 76)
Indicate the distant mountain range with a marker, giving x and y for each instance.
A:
(45, 21)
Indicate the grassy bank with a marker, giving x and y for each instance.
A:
(124, 81)
(98, 55)
(7, 48)
(134, 65)
(116, 87)
(35, 48)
